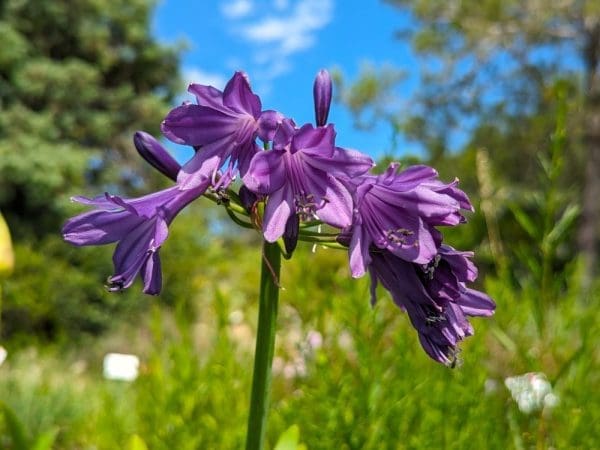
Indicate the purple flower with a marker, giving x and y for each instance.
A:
(223, 127)
(140, 226)
(397, 212)
(304, 175)
(156, 155)
(435, 297)
(322, 97)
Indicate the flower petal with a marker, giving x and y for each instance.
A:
(476, 303)
(152, 275)
(439, 353)
(208, 96)
(239, 97)
(460, 263)
(359, 252)
(267, 124)
(131, 249)
(337, 210)
(99, 227)
(200, 170)
(408, 178)
(284, 134)
(314, 141)
(197, 125)
(266, 172)
(343, 163)
(277, 212)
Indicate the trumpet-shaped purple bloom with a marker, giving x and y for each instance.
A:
(223, 127)
(435, 297)
(397, 212)
(140, 226)
(304, 176)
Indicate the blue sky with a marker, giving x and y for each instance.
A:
(282, 44)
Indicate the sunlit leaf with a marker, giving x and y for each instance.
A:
(289, 439)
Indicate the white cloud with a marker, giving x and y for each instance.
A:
(281, 4)
(236, 9)
(197, 75)
(278, 29)
(294, 32)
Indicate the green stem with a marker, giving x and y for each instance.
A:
(312, 223)
(265, 344)
(231, 204)
(237, 220)
(318, 234)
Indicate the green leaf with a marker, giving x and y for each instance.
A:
(562, 226)
(136, 443)
(525, 221)
(15, 427)
(46, 440)
(289, 439)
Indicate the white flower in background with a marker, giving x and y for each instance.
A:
(314, 340)
(532, 392)
(120, 366)
(3, 355)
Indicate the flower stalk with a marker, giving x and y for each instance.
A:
(265, 344)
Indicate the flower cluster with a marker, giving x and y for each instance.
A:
(298, 179)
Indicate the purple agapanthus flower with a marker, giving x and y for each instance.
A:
(304, 176)
(435, 297)
(140, 226)
(398, 212)
(223, 127)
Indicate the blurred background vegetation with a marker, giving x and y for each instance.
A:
(78, 78)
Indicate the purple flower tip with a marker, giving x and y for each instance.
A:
(322, 95)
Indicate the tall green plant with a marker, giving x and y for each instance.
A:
(549, 224)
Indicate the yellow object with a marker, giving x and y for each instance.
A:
(7, 257)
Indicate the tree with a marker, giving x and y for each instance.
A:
(492, 62)
(77, 78)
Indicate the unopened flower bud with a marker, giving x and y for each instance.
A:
(156, 155)
(322, 95)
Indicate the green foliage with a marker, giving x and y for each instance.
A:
(289, 440)
(366, 384)
(64, 299)
(370, 93)
(74, 84)
(18, 434)
(77, 78)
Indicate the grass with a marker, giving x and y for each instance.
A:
(365, 384)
